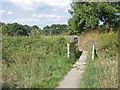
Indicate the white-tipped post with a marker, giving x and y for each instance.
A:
(68, 51)
(93, 50)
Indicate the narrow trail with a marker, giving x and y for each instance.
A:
(73, 77)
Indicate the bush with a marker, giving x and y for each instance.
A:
(34, 62)
(102, 72)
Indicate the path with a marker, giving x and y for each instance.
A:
(72, 79)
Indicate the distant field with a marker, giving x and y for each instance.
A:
(34, 62)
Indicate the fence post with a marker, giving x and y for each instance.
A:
(68, 51)
(93, 50)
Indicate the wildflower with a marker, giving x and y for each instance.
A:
(111, 31)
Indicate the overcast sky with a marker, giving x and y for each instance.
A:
(35, 12)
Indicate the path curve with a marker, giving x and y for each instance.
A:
(73, 77)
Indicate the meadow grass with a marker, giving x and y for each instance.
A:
(102, 72)
(34, 62)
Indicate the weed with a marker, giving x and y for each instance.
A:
(32, 62)
(103, 71)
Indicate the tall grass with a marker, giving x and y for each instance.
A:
(103, 71)
(34, 62)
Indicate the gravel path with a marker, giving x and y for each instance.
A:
(73, 77)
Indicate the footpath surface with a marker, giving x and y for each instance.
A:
(74, 76)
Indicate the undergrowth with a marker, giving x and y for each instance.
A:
(102, 72)
(34, 62)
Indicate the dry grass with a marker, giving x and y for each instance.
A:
(103, 71)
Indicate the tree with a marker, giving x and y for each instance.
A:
(46, 27)
(4, 29)
(86, 15)
(46, 32)
(61, 28)
(15, 29)
(1, 24)
(34, 27)
(27, 28)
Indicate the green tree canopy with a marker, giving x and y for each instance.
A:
(46, 27)
(35, 27)
(62, 28)
(86, 15)
(15, 29)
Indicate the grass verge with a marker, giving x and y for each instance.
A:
(34, 62)
(103, 71)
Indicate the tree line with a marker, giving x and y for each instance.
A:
(13, 29)
(61, 29)
(86, 16)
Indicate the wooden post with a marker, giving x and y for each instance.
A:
(93, 50)
(68, 51)
(68, 47)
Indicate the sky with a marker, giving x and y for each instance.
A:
(35, 12)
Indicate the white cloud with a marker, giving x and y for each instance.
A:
(37, 21)
(56, 6)
(9, 12)
(2, 11)
(45, 16)
(21, 20)
(33, 4)
(55, 9)
(26, 20)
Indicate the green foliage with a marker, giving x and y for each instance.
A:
(87, 15)
(103, 71)
(30, 62)
(46, 32)
(16, 29)
(100, 75)
(4, 28)
(61, 29)
(109, 45)
(34, 27)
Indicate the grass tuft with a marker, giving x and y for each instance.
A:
(32, 62)
(103, 71)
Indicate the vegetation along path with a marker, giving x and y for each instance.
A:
(72, 79)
